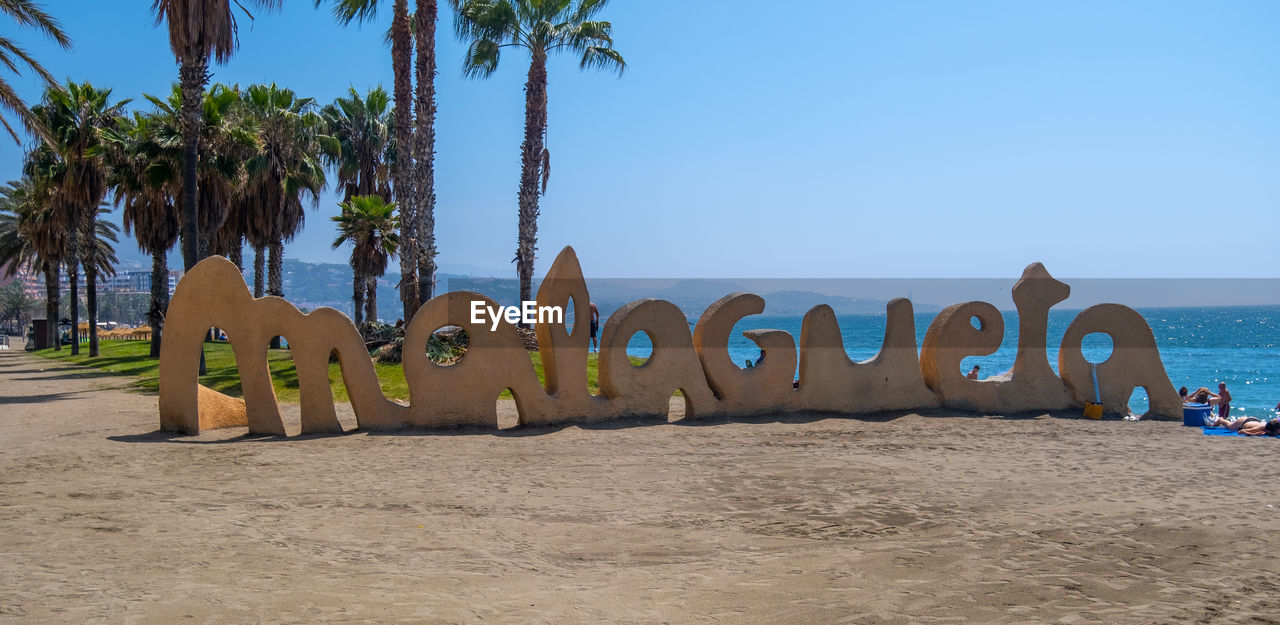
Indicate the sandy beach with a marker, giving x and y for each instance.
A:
(803, 519)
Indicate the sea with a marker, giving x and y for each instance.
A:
(1198, 346)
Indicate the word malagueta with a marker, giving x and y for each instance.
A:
(811, 372)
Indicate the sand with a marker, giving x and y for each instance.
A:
(810, 519)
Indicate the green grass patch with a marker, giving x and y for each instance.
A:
(131, 358)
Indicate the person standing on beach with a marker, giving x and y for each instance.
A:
(595, 327)
(1224, 400)
(973, 373)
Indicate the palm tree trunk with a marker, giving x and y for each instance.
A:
(193, 74)
(89, 260)
(275, 274)
(237, 253)
(73, 288)
(51, 304)
(202, 250)
(424, 149)
(275, 267)
(91, 306)
(259, 266)
(532, 159)
(371, 300)
(357, 299)
(401, 169)
(159, 299)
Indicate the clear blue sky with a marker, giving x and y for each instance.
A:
(859, 139)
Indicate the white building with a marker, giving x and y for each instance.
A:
(135, 282)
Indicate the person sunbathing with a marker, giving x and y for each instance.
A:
(1270, 428)
(1249, 426)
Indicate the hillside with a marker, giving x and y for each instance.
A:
(312, 285)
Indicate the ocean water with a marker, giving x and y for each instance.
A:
(1199, 347)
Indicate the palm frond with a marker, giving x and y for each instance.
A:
(481, 58)
(595, 57)
(10, 49)
(28, 13)
(497, 20)
(369, 223)
(586, 10)
(10, 101)
(589, 33)
(203, 29)
(347, 11)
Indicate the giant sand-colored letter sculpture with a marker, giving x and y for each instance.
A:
(891, 380)
(1031, 385)
(696, 363)
(1134, 361)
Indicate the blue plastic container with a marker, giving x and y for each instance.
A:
(1196, 415)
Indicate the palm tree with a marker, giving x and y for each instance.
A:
(358, 143)
(541, 27)
(16, 248)
(71, 122)
(47, 223)
(413, 168)
(198, 30)
(369, 223)
(144, 176)
(15, 305)
(98, 256)
(29, 14)
(227, 138)
(17, 251)
(357, 147)
(228, 240)
(286, 166)
(424, 149)
(31, 233)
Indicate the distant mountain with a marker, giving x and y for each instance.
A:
(465, 269)
(800, 302)
(505, 291)
(133, 259)
(313, 285)
(698, 289)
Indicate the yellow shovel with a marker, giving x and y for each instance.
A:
(1093, 409)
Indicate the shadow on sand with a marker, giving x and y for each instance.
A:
(625, 423)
